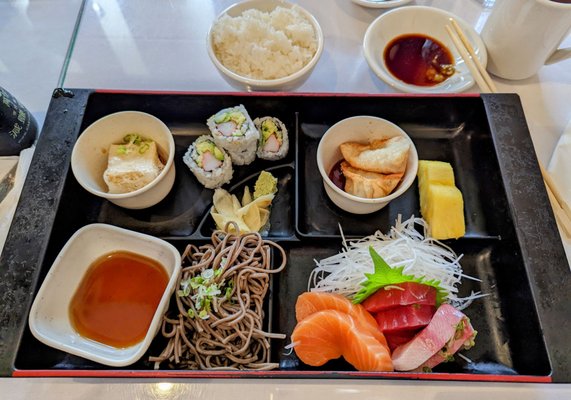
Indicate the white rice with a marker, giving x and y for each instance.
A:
(263, 45)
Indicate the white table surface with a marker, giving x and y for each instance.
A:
(160, 45)
(34, 37)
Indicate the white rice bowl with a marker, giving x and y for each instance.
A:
(265, 45)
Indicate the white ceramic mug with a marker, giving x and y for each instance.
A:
(523, 35)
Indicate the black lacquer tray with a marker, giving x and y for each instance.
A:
(511, 241)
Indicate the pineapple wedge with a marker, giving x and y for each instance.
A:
(441, 203)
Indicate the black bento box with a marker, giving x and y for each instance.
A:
(511, 243)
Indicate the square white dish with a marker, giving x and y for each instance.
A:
(49, 316)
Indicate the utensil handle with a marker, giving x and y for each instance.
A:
(559, 55)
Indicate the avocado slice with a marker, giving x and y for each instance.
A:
(268, 129)
(237, 117)
(222, 117)
(205, 146)
(218, 154)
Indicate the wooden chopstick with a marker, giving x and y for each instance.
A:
(560, 215)
(558, 197)
(475, 59)
(472, 61)
(466, 56)
(561, 209)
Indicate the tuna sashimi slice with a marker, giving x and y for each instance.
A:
(404, 318)
(461, 338)
(429, 341)
(330, 334)
(401, 294)
(396, 339)
(311, 302)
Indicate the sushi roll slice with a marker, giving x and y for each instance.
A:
(274, 142)
(234, 131)
(210, 164)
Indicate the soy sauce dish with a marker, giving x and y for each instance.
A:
(104, 297)
(409, 49)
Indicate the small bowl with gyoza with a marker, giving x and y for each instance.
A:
(365, 163)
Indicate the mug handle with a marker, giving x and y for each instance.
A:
(559, 55)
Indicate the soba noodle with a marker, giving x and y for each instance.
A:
(220, 306)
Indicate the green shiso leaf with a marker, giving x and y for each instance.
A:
(384, 275)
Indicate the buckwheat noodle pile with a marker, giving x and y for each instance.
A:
(220, 306)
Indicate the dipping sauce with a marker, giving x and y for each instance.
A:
(117, 298)
(419, 60)
(336, 175)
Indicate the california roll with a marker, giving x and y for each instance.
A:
(234, 131)
(273, 143)
(210, 164)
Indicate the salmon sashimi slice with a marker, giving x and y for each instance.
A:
(309, 303)
(329, 334)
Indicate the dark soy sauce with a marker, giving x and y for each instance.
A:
(336, 175)
(419, 60)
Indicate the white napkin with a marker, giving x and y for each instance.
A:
(560, 170)
(8, 205)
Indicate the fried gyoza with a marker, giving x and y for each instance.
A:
(387, 156)
(368, 184)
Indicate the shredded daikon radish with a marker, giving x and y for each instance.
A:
(403, 246)
(465, 358)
